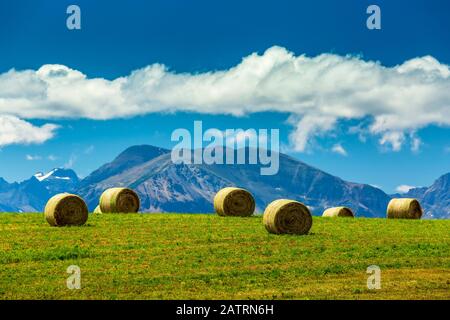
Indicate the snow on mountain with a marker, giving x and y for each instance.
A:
(41, 177)
(32, 194)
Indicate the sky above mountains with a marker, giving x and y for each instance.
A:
(369, 106)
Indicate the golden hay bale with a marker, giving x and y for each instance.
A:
(287, 216)
(97, 209)
(235, 202)
(115, 200)
(66, 209)
(404, 208)
(338, 212)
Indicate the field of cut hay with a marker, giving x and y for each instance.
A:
(181, 256)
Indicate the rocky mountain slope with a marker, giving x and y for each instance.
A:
(435, 199)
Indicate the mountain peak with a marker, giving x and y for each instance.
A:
(3, 183)
(444, 179)
(139, 153)
(57, 173)
(129, 158)
(41, 176)
(435, 199)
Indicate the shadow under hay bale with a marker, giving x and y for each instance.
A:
(404, 208)
(285, 216)
(234, 202)
(338, 212)
(66, 209)
(119, 200)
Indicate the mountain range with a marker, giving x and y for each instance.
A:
(164, 186)
(435, 199)
(32, 194)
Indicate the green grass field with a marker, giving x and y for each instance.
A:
(181, 256)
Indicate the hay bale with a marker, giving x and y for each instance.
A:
(123, 200)
(338, 212)
(97, 209)
(66, 209)
(234, 202)
(287, 216)
(404, 208)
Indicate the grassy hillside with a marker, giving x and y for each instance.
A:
(162, 256)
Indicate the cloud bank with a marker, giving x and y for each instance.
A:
(317, 92)
(16, 131)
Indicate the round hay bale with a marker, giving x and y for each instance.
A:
(285, 216)
(66, 209)
(404, 208)
(123, 200)
(97, 209)
(234, 202)
(338, 212)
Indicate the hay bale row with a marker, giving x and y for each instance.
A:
(281, 216)
(286, 216)
(398, 208)
(67, 209)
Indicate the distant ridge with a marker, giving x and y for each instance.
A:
(32, 194)
(167, 187)
(435, 199)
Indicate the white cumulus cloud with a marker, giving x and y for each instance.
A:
(30, 157)
(16, 131)
(404, 188)
(339, 149)
(317, 92)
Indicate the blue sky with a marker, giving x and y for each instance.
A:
(196, 37)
